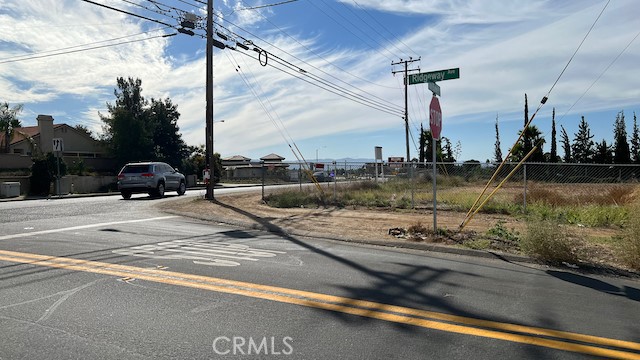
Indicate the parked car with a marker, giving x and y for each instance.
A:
(153, 178)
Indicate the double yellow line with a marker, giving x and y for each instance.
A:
(555, 339)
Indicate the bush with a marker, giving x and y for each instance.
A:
(43, 172)
(290, 199)
(547, 241)
(630, 243)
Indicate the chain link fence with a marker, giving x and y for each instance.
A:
(526, 176)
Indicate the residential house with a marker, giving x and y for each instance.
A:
(31, 140)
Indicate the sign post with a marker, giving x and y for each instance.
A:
(58, 147)
(435, 116)
(435, 122)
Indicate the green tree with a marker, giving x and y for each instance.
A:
(43, 171)
(8, 123)
(635, 141)
(497, 154)
(447, 151)
(126, 130)
(622, 154)
(136, 129)
(84, 129)
(582, 146)
(553, 157)
(168, 145)
(603, 153)
(566, 146)
(534, 137)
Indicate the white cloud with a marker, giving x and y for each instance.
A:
(504, 49)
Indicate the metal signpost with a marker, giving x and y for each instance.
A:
(58, 147)
(435, 116)
(435, 122)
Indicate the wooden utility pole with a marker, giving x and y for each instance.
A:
(406, 98)
(209, 112)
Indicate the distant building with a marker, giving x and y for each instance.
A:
(241, 167)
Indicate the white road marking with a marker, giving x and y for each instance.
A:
(14, 236)
(200, 252)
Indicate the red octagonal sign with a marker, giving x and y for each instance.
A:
(435, 118)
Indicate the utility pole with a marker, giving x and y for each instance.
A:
(406, 98)
(209, 111)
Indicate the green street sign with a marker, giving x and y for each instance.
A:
(434, 76)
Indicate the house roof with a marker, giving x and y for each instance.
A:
(21, 133)
(272, 157)
(236, 158)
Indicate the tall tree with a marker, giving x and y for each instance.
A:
(423, 143)
(566, 146)
(622, 154)
(554, 158)
(447, 150)
(603, 153)
(126, 130)
(497, 155)
(635, 141)
(8, 123)
(140, 130)
(168, 145)
(582, 146)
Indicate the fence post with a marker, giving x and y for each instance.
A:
(525, 187)
(263, 176)
(413, 184)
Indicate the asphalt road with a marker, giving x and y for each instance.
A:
(105, 278)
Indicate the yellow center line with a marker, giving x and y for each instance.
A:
(392, 313)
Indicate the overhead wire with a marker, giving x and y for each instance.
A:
(384, 27)
(370, 27)
(324, 59)
(87, 44)
(128, 13)
(339, 90)
(80, 50)
(390, 58)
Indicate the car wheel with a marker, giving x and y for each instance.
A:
(182, 188)
(160, 190)
(126, 195)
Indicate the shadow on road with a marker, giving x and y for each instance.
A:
(595, 284)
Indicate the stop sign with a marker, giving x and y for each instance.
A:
(435, 118)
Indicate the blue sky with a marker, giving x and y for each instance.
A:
(504, 49)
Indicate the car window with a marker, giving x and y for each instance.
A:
(135, 169)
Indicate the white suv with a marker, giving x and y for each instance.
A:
(150, 177)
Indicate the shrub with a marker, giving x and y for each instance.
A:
(290, 199)
(547, 241)
(630, 243)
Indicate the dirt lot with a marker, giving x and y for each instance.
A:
(355, 224)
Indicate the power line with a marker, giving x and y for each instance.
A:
(370, 27)
(384, 27)
(76, 46)
(128, 13)
(347, 93)
(85, 49)
(327, 61)
(577, 49)
(601, 74)
(349, 30)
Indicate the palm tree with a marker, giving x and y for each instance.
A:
(8, 123)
